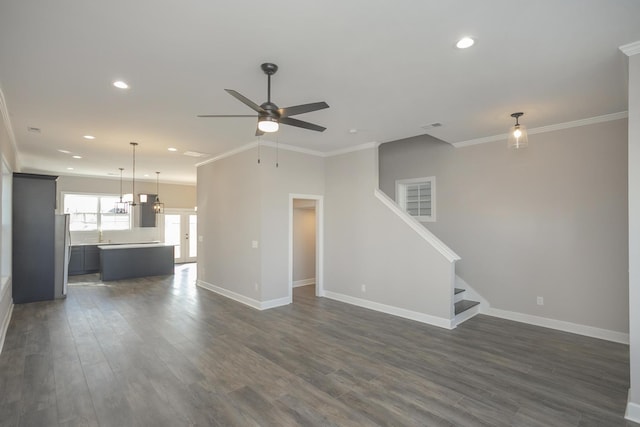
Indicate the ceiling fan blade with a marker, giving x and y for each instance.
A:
(246, 101)
(224, 115)
(304, 108)
(259, 132)
(299, 123)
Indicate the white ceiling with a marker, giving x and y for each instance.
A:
(385, 68)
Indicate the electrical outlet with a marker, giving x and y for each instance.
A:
(540, 301)
(254, 244)
(256, 286)
(363, 288)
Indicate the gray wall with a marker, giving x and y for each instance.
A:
(634, 232)
(366, 243)
(240, 201)
(549, 220)
(304, 244)
(229, 207)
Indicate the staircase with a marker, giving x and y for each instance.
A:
(464, 309)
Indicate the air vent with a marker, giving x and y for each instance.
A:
(432, 125)
(34, 130)
(194, 154)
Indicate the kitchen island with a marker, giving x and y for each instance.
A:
(135, 260)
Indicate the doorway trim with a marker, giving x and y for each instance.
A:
(319, 242)
(184, 213)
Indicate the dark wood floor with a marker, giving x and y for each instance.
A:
(162, 352)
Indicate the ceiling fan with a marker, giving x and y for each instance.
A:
(269, 115)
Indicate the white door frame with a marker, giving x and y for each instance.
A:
(319, 242)
(182, 213)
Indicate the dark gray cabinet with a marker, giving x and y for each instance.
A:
(85, 259)
(33, 263)
(76, 260)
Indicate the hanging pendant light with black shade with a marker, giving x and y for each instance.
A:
(518, 133)
(121, 207)
(158, 207)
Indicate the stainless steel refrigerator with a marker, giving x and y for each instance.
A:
(61, 256)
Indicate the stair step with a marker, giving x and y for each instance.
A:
(464, 305)
(456, 291)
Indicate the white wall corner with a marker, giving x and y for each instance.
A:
(389, 309)
(633, 411)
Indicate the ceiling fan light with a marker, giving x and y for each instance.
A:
(268, 124)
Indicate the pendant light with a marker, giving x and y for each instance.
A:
(158, 207)
(133, 180)
(518, 134)
(121, 207)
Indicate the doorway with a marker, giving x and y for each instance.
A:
(181, 230)
(305, 244)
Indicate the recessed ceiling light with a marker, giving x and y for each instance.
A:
(146, 174)
(89, 137)
(77, 157)
(172, 149)
(465, 42)
(120, 84)
(69, 169)
(353, 130)
(65, 151)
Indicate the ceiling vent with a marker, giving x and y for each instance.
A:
(432, 125)
(194, 154)
(33, 129)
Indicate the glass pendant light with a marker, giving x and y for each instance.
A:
(121, 207)
(158, 207)
(518, 134)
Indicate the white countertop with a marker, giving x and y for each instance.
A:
(134, 246)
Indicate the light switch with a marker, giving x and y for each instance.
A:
(200, 238)
(254, 244)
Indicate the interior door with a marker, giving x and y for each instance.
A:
(181, 230)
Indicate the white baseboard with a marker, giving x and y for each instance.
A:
(304, 282)
(560, 325)
(4, 326)
(258, 305)
(633, 411)
(388, 309)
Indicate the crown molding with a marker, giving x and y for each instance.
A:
(288, 147)
(365, 146)
(544, 129)
(631, 48)
(7, 124)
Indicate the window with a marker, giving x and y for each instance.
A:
(417, 196)
(91, 212)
